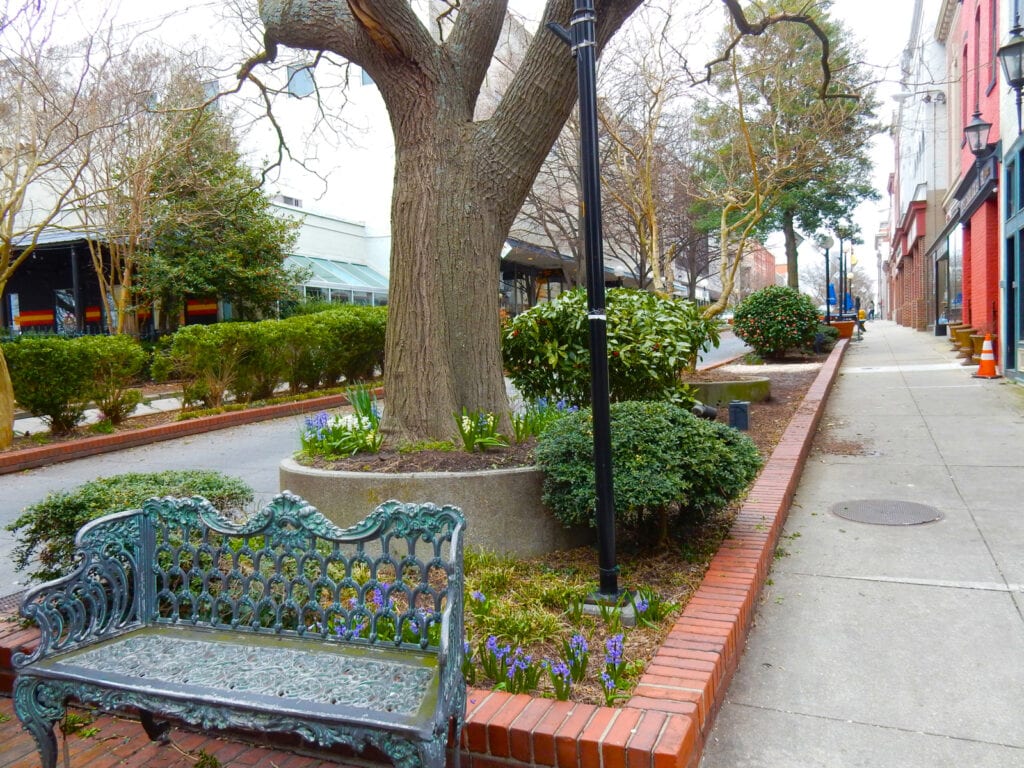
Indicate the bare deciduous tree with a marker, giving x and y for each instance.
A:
(459, 181)
(48, 108)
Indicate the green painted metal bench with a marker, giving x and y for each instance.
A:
(280, 623)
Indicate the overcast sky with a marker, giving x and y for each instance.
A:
(881, 25)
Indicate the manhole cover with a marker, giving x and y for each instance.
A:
(886, 512)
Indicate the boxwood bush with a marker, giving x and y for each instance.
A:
(57, 377)
(775, 319)
(46, 531)
(250, 359)
(117, 364)
(651, 341)
(665, 463)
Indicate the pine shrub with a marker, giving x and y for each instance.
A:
(776, 319)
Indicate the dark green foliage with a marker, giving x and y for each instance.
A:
(650, 342)
(831, 334)
(775, 319)
(47, 530)
(212, 231)
(57, 378)
(117, 363)
(665, 462)
(251, 359)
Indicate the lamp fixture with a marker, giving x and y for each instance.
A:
(1011, 56)
(976, 133)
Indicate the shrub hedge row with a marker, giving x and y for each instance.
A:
(57, 378)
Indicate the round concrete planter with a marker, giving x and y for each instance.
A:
(502, 506)
(719, 393)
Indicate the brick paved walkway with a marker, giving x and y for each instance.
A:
(121, 742)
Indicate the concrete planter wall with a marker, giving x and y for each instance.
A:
(502, 506)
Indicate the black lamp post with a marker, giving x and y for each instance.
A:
(582, 37)
(1011, 56)
(826, 243)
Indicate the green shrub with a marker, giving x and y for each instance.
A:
(52, 378)
(650, 342)
(117, 362)
(665, 462)
(352, 339)
(208, 359)
(831, 334)
(775, 319)
(47, 530)
(261, 365)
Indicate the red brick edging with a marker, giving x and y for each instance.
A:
(673, 707)
(674, 704)
(29, 458)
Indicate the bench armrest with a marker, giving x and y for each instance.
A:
(99, 598)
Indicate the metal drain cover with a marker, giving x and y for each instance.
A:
(886, 512)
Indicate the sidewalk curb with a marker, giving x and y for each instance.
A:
(44, 455)
(675, 702)
(673, 707)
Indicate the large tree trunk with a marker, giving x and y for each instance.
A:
(446, 240)
(789, 231)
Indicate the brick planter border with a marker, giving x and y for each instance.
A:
(29, 458)
(674, 704)
(673, 707)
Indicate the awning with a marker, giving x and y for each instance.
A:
(342, 275)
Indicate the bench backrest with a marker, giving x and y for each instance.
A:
(395, 578)
(288, 570)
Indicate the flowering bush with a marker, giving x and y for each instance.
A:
(334, 437)
(775, 319)
(479, 430)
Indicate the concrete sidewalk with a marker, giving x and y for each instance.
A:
(894, 645)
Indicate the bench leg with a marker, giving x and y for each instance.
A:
(156, 731)
(39, 705)
(432, 754)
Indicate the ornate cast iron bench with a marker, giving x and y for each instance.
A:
(281, 623)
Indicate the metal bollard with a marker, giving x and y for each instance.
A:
(704, 411)
(739, 414)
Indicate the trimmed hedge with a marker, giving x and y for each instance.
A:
(665, 462)
(57, 378)
(251, 359)
(46, 531)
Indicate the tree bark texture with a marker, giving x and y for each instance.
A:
(458, 183)
(789, 233)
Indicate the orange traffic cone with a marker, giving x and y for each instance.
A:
(987, 368)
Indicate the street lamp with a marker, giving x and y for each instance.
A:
(827, 242)
(976, 133)
(1011, 56)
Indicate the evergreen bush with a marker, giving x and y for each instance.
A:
(665, 462)
(46, 531)
(651, 341)
(775, 319)
(117, 362)
(52, 378)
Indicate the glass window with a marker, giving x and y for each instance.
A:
(363, 298)
(956, 274)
